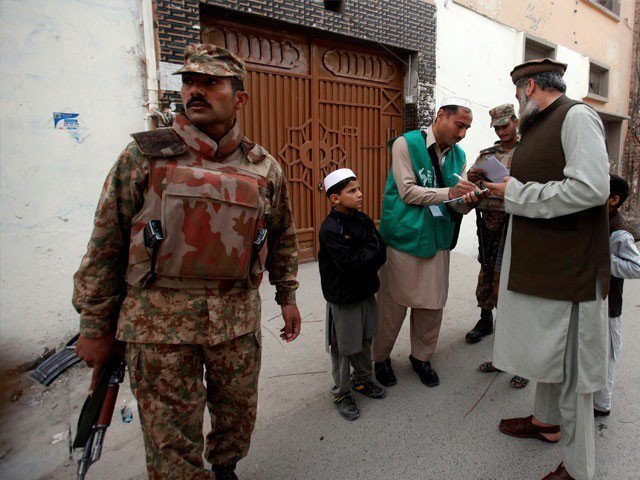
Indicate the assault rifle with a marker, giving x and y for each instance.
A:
(482, 253)
(96, 413)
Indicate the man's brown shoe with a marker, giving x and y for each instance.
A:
(524, 428)
(559, 474)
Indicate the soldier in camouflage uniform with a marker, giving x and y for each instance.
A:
(190, 308)
(491, 220)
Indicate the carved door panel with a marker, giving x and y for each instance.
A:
(316, 107)
(360, 103)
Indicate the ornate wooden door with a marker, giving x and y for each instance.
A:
(317, 106)
(359, 98)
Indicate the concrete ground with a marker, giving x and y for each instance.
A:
(448, 432)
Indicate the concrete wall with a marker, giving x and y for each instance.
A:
(579, 25)
(81, 56)
(474, 55)
(584, 27)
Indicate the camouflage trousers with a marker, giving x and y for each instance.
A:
(490, 231)
(167, 381)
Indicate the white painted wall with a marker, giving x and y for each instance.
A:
(474, 56)
(82, 56)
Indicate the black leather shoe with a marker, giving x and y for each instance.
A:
(384, 373)
(224, 472)
(347, 406)
(427, 375)
(601, 413)
(483, 328)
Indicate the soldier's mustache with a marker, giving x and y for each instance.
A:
(197, 99)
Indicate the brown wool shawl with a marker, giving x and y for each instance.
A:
(558, 258)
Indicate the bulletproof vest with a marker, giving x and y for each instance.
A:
(210, 213)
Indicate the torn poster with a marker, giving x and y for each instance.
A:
(69, 122)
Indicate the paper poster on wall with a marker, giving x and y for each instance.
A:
(169, 81)
(69, 122)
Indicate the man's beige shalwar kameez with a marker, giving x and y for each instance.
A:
(407, 281)
(560, 344)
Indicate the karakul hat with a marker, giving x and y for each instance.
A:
(540, 65)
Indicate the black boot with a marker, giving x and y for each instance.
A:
(225, 472)
(427, 375)
(483, 328)
(384, 373)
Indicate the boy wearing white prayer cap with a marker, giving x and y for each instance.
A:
(351, 252)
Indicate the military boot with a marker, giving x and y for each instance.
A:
(483, 328)
(225, 472)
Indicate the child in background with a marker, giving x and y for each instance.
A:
(351, 252)
(625, 263)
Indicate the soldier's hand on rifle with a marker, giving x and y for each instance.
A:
(292, 323)
(460, 188)
(96, 351)
(497, 189)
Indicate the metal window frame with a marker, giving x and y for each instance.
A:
(614, 14)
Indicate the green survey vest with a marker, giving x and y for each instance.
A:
(413, 229)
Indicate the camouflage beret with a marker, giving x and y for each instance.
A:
(501, 115)
(212, 60)
(533, 67)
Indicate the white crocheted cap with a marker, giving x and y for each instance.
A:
(456, 102)
(337, 176)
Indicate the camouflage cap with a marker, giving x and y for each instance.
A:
(501, 115)
(212, 60)
(540, 65)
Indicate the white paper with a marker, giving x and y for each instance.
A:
(168, 81)
(493, 168)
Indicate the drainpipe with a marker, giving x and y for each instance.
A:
(150, 61)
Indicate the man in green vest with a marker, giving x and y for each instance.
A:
(428, 169)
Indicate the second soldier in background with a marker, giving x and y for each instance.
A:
(491, 222)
